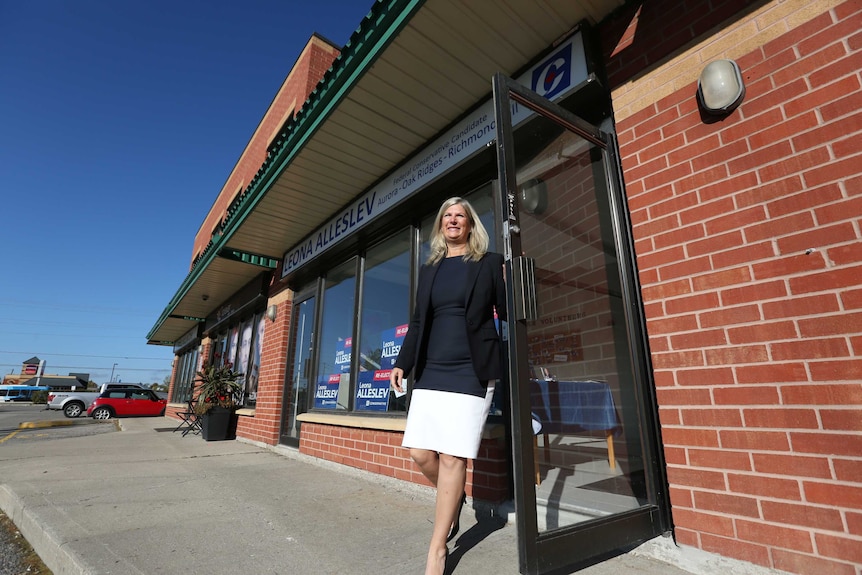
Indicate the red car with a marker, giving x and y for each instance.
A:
(127, 403)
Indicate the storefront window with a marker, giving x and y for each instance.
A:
(230, 358)
(190, 370)
(384, 318)
(336, 338)
(244, 350)
(251, 343)
(219, 350)
(240, 346)
(299, 362)
(185, 375)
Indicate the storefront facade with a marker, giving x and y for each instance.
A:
(684, 333)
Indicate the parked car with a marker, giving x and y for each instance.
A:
(12, 392)
(74, 403)
(130, 402)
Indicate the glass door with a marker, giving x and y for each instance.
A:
(299, 366)
(588, 472)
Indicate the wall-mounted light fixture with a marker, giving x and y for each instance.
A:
(534, 196)
(720, 88)
(272, 312)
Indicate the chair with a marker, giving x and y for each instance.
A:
(571, 407)
(189, 420)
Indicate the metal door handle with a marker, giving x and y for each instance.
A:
(524, 288)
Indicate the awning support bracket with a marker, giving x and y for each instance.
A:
(262, 261)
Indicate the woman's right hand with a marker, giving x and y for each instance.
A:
(396, 379)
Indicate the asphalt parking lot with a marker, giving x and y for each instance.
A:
(32, 422)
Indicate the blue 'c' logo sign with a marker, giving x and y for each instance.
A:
(554, 74)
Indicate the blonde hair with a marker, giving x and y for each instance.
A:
(477, 243)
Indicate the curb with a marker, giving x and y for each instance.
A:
(45, 541)
(60, 423)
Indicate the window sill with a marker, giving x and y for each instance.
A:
(360, 421)
(492, 430)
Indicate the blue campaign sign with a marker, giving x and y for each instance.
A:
(372, 391)
(392, 340)
(343, 351)
(326, 394)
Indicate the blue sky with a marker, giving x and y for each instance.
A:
(119, 123)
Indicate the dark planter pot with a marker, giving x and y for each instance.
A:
(218, 424)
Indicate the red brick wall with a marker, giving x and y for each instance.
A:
(747, 235)
(381, 452)
(265, 426)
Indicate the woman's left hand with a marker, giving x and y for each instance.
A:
(396, 379)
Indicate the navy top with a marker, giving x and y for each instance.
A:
(484, 292)
(449, 366)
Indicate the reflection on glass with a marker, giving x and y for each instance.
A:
(332, 390)
(182, 390)
(385, 315)
(589, 457)
(219, 349)
(251, 342)
(296, 392)
(230, 358)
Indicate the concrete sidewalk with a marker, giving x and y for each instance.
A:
(146, 500)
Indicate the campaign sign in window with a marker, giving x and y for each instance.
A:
(392, 340)
(342, 354)
(372, 391)
(326, 395)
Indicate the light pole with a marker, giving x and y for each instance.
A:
(112, 373)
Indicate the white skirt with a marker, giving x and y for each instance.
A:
(447, 422)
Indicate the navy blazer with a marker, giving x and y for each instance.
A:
(484, 292)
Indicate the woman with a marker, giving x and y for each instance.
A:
(453, 347)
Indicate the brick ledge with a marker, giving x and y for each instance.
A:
(492, 430)
(360, 421)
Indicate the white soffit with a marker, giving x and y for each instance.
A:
(437, 67)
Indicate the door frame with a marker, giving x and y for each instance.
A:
(547, 552)
(310, 291)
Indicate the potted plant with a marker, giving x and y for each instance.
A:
(218, 393)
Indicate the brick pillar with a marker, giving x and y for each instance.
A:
(266, 423)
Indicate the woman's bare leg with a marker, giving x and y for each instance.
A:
(428, 462)
(452, 475)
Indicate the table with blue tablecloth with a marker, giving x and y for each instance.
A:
(573, 406)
